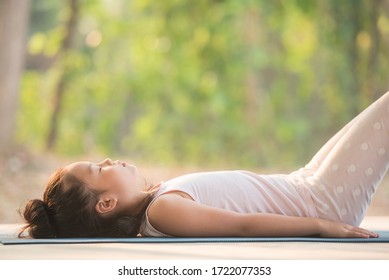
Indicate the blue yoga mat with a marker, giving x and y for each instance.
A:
(384, 238)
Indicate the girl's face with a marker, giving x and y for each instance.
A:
(112, 180)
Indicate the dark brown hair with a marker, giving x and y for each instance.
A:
(68, 210)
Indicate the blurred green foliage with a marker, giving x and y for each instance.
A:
(208, 82)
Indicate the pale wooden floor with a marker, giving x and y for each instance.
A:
(268, 251)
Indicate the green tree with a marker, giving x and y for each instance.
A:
(248, 83)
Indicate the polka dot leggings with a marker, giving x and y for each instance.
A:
(344, 175)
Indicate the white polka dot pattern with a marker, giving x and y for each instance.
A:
(369, 171)
(357, 192)
(325, 207)
(339, 189)
(352, 168)
(377, 125)
(364, 146)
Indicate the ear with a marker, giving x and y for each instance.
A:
(106, 205)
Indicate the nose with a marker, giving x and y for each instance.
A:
(107, 162)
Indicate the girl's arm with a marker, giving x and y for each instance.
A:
(178, 216)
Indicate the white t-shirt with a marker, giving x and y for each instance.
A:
(240, 191)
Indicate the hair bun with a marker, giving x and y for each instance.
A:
(37, 216)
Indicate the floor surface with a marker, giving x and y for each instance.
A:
(204, 251)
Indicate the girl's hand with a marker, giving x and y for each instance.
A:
(340, 230)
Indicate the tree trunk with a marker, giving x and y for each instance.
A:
(66, 46)
(373, 69)
(14, 18)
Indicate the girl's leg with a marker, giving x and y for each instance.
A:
(345, 173)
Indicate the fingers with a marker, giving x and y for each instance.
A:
(335, 229)
(362, 233)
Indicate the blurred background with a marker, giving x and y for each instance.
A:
(179, 86)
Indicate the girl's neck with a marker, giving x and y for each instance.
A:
(154, 188)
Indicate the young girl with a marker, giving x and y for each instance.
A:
(328, 197)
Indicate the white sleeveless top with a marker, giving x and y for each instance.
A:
(239, 191)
